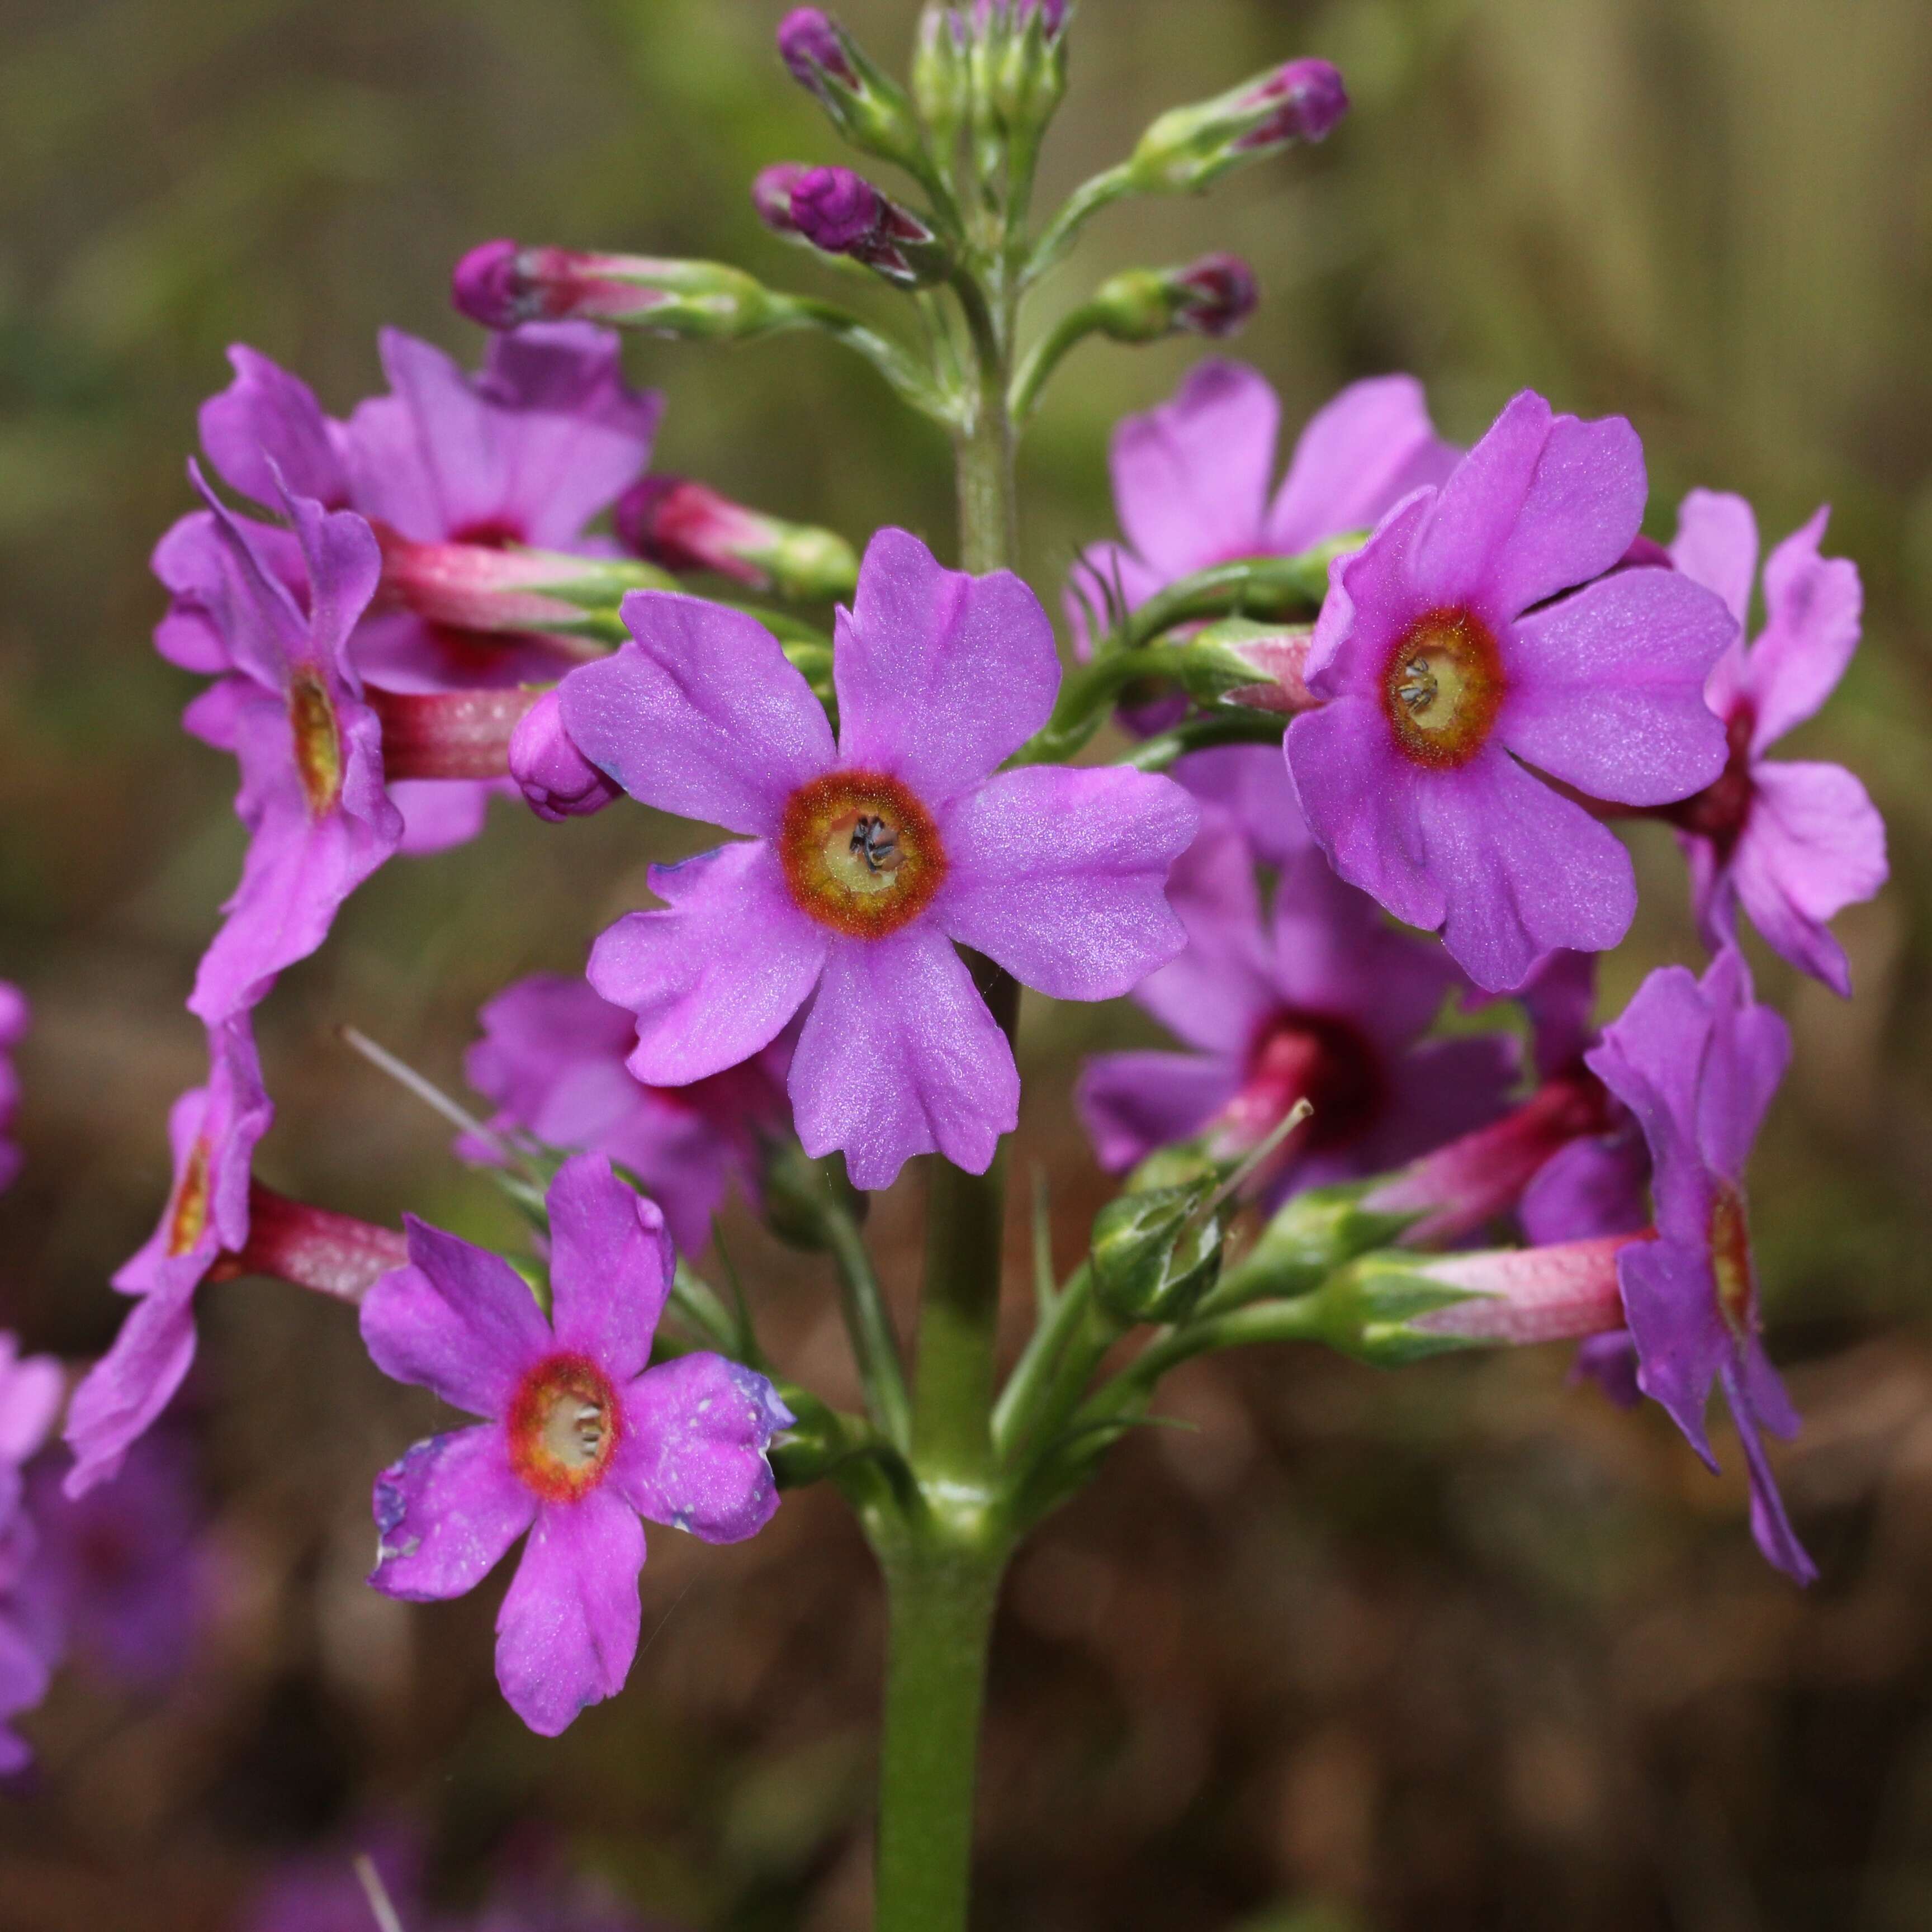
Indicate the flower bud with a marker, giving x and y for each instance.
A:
(502, 285)
(1189, 147)
(1212, 297)
(771, 196)
(489, 588)
(557, 781)
(1233, 662)
(843, 213)
(942, 82)
(1154, 1255)
(680, 525)
(860, 100)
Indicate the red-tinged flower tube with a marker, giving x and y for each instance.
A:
(1519, 1296)
(311, 1247)
(448, 734)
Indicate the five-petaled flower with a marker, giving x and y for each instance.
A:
(1321, 1000)
(213, 1131)
(1697, 1062)
(868, 858)
(584, 1437)
(1793, 843)
(1450, 662)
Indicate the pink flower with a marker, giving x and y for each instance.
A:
(1792, 844)
(866, 860)
(584, 1438)
(30, 1398)
(1448, 671)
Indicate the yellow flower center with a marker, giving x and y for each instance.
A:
(563, 1426)
(318, 742)
(1443, 687)
(188, 1215)
(860, 853)
(1731, 1263)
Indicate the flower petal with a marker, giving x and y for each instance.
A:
(1814, 843)
(1360, 453)
(610, 1264)
(1815, 604)
(1606, 688)
(1749, 1049)
(1771, 1527)
(693, 1453)
(567, 1633)
(458, 1320)
(1060, 876)
(268, 421)
(120, 1396)
(941, 675)
(1250, 781)
(1131, 1103)
(1670, 1301)
(446, 1513)
(1716, 545)
(1522, 871)
(899, 1057)
(714, 976)
(1593, 1186)
(701, 715)
(439, 814)
(1191, 478)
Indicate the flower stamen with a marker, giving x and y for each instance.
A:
(1443, 687)
(860, 853)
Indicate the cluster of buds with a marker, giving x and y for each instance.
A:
(502, 285)
(1188, 148)
(840, 213)
(866, 107)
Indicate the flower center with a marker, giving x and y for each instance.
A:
(1327, 1062)
(1731, 1263)
(564, 1425)
(1443, 687)
(861, 854)
(189, 1215)
(318, 743)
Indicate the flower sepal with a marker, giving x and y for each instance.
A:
(680, 525)
(1189, 148)
(1156, 1253)
(1235, 660)
(1309, 1237)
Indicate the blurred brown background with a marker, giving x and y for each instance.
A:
(1459, 1649)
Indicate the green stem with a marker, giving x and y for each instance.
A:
(1081, 206)
(1204, 734)
(875, 1346)
(1033, 1373)
(1044, 356)
(914, 385)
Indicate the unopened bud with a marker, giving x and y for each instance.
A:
(498, 589)
(1233, 662)
(1017, 58)
(941, 82)
(501, 286)
(1189, 147)
(771, 196)
(1154, 1255)
(843, 213)
(1211, 297)
(448, 734)
(557, 780)
(860, 100)
(680, 525)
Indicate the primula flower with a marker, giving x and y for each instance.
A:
(528, 451)
(1321, 1000)
(1444, 662)
(30, 1397)
(213, 1131)
(584, 1437)
(1793, 843)
(14, 1018)
(291, 708)
(30, 1400)
(1697, 1062)
(552, 1057)
(1192, 478)
(866, 860)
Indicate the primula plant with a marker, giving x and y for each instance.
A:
(1324, 776)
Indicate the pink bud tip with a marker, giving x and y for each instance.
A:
(1312, 100)
(771, 195)
(557, 781)
(836, 210)
(809, 45)
(1221, 294)
(489, 287)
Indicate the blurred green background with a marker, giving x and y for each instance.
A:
(1462, 1648)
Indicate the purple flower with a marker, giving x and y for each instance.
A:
(319, 1892)
(1322, 1001)
(1792, 844)
(584, 1437)
(1305, 99)
(1192, 478)
(552, 1058)
(30, 1398)
(291, 708)
(15, 1017)
(866, 860)
(213, 1131)
(121, 1570)
(528, 451)
(843, 213)
(557, 780)
(812, 48)
(1697, 1062)
(1445, 662)
(1218, 295)
(771, 195)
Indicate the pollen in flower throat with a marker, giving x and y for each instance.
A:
(318, 743)
(1443, 687)
(1731, 1262)
(564, 1424)
(861, 854)
(189, 1215)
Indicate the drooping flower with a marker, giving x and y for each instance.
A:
(528, 451)
(1697, 1062)
(1321, 999)
(584, 1438)
(30, 1398)
(865, 861)
(1792, 844)
(213, 1131)
(1192, 478)
(552, 1058)
(14, 1019)
(1450, 663)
